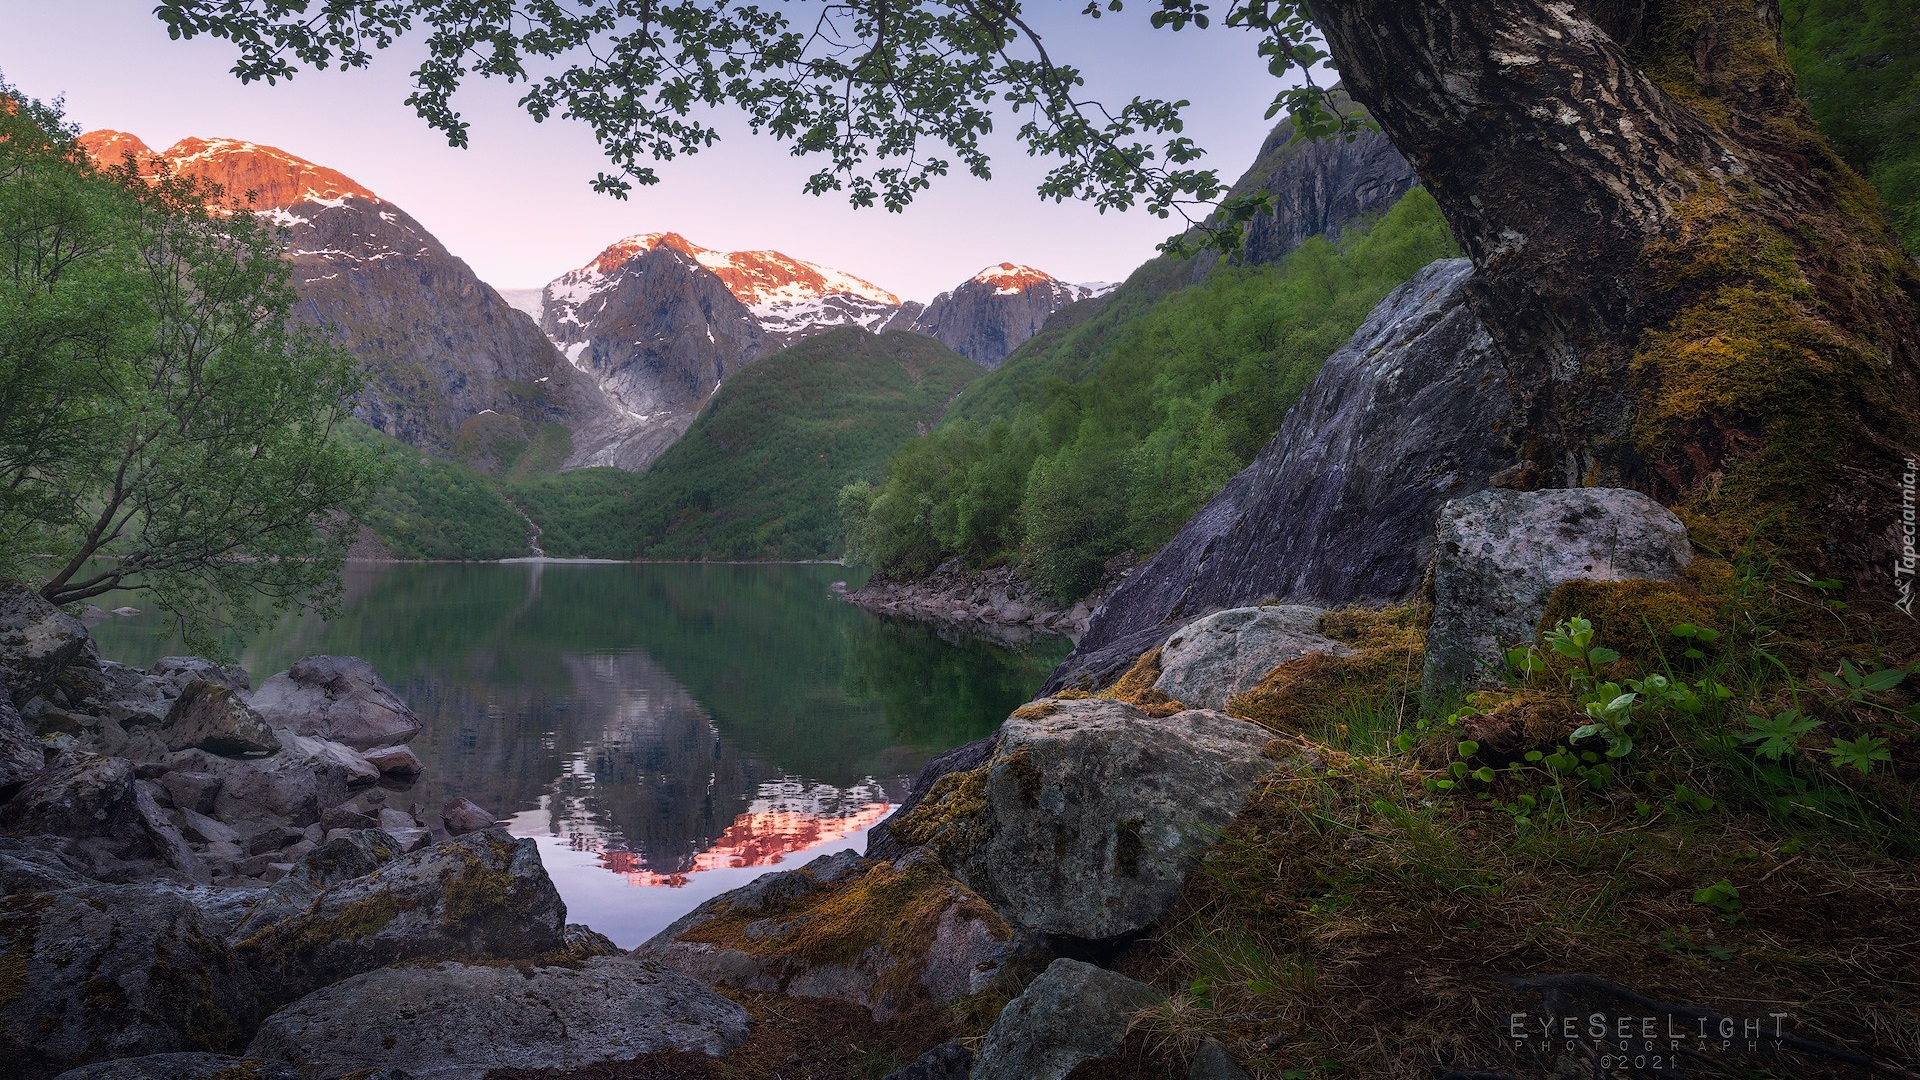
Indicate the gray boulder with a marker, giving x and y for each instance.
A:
(115, 971)
(462, 816)
(27, 866)
(755, 937)
(1500, 555)
(1094, 811)
(1210, 660)
(353, 854)
(395, 761)
(292, 786)
(456, 1022)
(1212, 1062)
(37, 641)
(484, 895)
(1339, 507)
(1073, 1012)
(21, 755)
(341, 698)
(183, 1067)
(105, 818)
(948, 1061)
(211, 717)
(181, 670)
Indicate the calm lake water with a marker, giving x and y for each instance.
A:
(665, 732)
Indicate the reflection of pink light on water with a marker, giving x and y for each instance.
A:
(754, 839)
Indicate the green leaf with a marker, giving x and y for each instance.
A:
(1861, 753)
(1601, 656)
(1721, 894)
(1467, 748)
(1484, 774)
(1881, 681)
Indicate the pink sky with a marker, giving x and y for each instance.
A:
(517, 207)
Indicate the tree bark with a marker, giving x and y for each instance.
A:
(1693, 295)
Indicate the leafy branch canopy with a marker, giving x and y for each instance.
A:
(891, 93)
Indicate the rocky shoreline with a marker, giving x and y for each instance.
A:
(997, 603)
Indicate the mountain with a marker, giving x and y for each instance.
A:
(995, 311)
(756, 476)
(446, 358)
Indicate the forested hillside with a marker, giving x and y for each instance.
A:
(1105, 436)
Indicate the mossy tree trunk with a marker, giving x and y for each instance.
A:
(1694, 296)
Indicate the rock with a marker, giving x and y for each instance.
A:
(28, 867)
(1213, 659)
(1339, 507)
(1073, 1012)
(766, 935)
(395, 761)
(181, 670)
(1211, 1062)
(273, 838)
(345, 817)
(390, 819)
(201, 829)
(37, 641)
(484, 895)
(1088, 816)
(582, 941)
(411, 839)
(183, 1067)
(293, 786)
(1319, 186)
(1502, 553)
(290, 896)
(461, 816)
(22, 756)
(115, 971)
(211, 717)
(948, 1061)
(104, 818)
(351, 854)
(341, 698)
(455, 1022)
(881, 841)
(190, 790)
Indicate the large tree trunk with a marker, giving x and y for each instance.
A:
(1694, 296)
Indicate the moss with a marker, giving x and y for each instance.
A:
(479, 890)
(1127, 847)
(1027, 778)
(951, 816)
(1035, 710)
(1311, 695)
(13, 972)
(1136, 687)
(1633, 618)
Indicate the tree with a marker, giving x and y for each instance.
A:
(163, 425)
(1693, 295)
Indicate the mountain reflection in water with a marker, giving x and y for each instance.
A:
(652, 725)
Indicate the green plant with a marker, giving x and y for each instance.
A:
(1721, 895)
(1861, 753)
(1779, 735)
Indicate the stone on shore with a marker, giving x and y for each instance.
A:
(462, 816)
(1090, 812)
(1499, 555)
(1210, 660)
(37, 641)
(211, 717)
(395, 761)
(341, 698)
(116, 971)
(105, 818)
(455, 1022)
(1073, 1012)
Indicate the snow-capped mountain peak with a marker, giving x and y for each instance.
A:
(276, 178)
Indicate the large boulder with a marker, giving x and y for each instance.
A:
(456, 1022)
(28, 866)
(106, 971)
(1501, 554)
(37, 641)
(484, 895)
(1073, 1012)
(104, 817)
(185, 1066)
(292, 786)
(21, 755)
(1086, 819)
(1339, 507)
(212, 717)
(341, 698)
(1210, 660)
(936, 941)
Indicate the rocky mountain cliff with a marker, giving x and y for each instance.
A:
(992, 313)
(1319, 188)
(442, 351)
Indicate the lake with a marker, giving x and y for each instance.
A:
(665, 732)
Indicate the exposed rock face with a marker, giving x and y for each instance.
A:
(658, 331)
(1073, 1012)
(991, 314)
(1339, 507)
(1210, 660)
(1500, 554)
(21, 756)
(947, 942)
(114, 971)
(456, 1022)
(484, 895)
(1084, 822)
(37, 640)
(105, 818)
(337, 697)
(439, 345)
(1319, 188)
